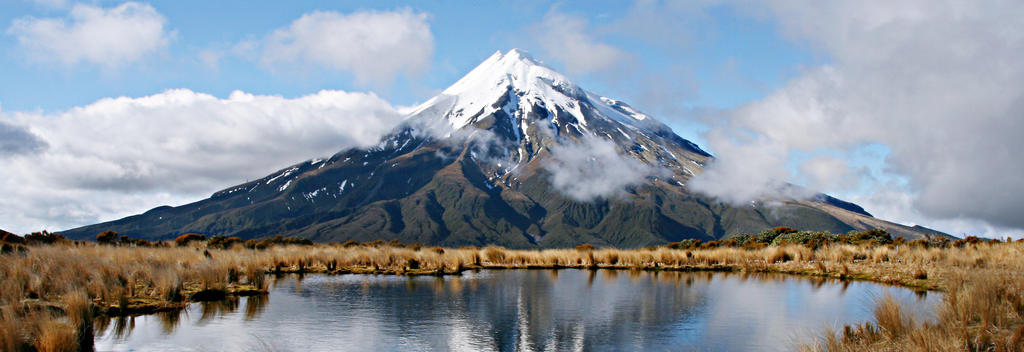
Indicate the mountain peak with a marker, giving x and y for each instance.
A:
(515, 81)
(516, 54)
(515, 69)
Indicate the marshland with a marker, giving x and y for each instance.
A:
(55, 292)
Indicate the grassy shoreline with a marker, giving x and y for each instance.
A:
(50, 294)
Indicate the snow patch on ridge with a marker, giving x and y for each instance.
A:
(286, 173)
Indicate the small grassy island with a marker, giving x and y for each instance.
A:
(54, 291)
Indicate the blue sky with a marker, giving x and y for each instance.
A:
(840, 98)
(731, 59)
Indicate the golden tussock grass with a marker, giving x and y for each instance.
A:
(50, 293)
(982, 310)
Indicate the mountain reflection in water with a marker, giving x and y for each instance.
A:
(522, 310)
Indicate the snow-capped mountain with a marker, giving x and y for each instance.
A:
(532, 107)
(513, 154)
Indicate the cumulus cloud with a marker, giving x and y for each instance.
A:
(937, 83)
(565, 38)
(372, 45)
(108, 37)
(120, 156)
(593, 168)
(16, 140)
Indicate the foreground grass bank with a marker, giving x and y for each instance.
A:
(50, 294)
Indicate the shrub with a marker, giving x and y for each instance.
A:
(711, 244)
(870, 237)
(807, 238)
(188, 238)
(11, 238)
(783, 230)
(969, 240)
(918, 243)
(280, 240)
(412, 264)
(107, 237)
(763, 239)
(688, 244)
(585, 247)
(223, 242)
(44, 237)
(12, 248)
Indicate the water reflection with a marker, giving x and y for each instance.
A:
(525, 310)
(254, 306)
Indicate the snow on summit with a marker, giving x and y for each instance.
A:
(526, 82)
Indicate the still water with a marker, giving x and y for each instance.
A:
(516, 310)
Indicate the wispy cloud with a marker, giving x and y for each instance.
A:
(566, 38)
(592, 168)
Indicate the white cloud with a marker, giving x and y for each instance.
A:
(374, 46)
(17, 140)
(106, 37)
(120, 156)
(895, 203)
(751, 169)
(592, 168)
(831, 173)
(937, 83)
(565, 38)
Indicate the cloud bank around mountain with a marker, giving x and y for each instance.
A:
(593, 169)
(118, 156)
(938, 84)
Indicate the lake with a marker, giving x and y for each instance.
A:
(517, 310)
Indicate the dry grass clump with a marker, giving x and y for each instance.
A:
(49, 294)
